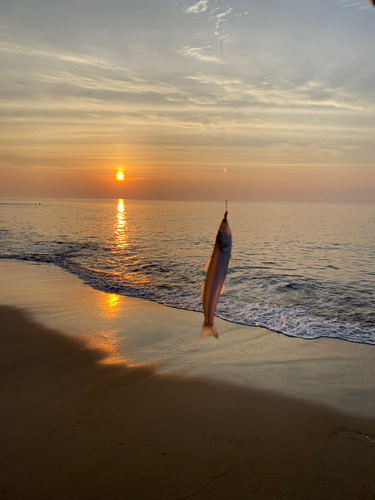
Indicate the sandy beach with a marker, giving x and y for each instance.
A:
(78, 421)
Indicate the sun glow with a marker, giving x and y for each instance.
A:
(120, 176)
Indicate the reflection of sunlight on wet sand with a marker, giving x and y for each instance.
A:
(107, 339)
(111, 302)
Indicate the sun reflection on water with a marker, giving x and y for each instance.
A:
(123, 249)
(121, 226)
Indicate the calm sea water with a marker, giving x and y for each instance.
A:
(305, 270)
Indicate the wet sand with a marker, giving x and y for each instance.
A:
(328, 372)
(75, 427)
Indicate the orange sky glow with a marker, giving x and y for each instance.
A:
(288, 108)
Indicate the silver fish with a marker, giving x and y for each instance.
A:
(216, 269)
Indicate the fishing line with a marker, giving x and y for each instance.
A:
(225, 189)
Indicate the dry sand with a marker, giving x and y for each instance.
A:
(73, 427)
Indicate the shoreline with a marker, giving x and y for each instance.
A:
(327, 372)
(74, 426)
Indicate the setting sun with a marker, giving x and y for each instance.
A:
(120, 176)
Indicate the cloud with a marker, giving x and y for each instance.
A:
(62, 70)
(310, 94)
(216, 80)
(16, 48)
(357, 5)
(224, 14)
(111, 84)
(199, 53)
(201, 6)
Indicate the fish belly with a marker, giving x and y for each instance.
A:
(214, 284)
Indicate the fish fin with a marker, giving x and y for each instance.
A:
(209, 330)
(207, 264)
(202, 287)
(222, 289)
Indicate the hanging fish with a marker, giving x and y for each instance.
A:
(216, 269)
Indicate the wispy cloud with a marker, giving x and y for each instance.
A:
(111, 84)
(224, 14)
(15, 48)
(351, 5)
(201, 6)
(215, 80)
(309, 94)
(199, 53)
(65, 70)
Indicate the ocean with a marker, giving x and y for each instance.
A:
(303, 270)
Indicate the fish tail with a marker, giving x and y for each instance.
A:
(209, 330)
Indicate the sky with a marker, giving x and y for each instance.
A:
(281, 93)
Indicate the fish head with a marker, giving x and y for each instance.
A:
(224, 236)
